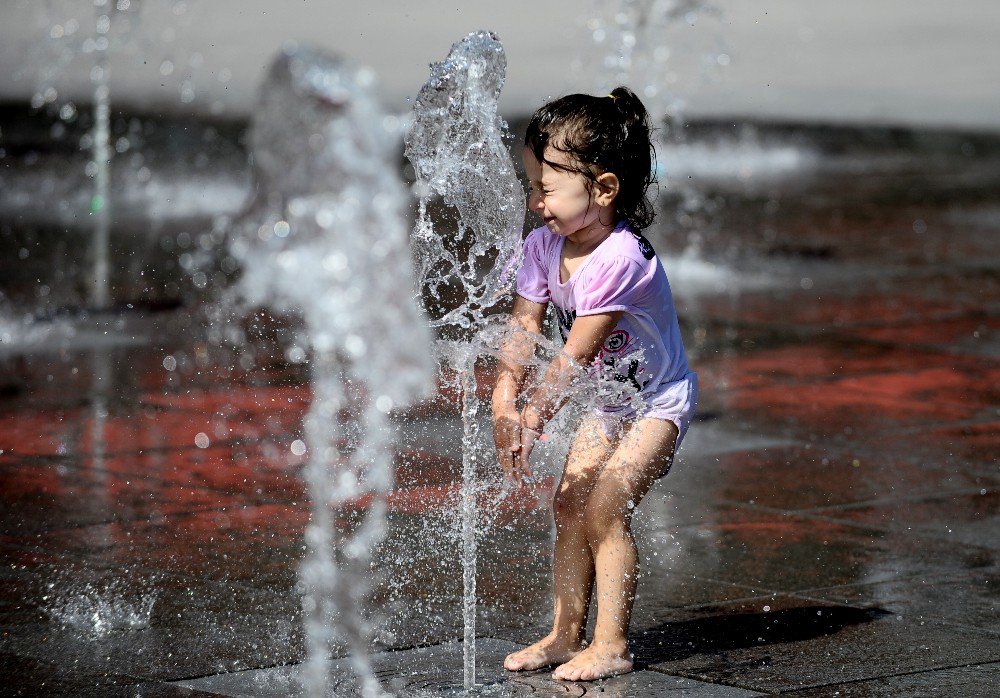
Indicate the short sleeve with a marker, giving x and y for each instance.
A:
(613, 284)
(532, 277)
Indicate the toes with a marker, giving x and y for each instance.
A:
(581, 671)
(513, 662)
(565, 673)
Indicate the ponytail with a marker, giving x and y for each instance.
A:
(634, 159)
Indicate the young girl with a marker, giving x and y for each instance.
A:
(589, 162)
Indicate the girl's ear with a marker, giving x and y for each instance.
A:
(607, 188)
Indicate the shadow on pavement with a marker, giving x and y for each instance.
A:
(714, 634)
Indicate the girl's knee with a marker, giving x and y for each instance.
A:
(569, 504)
(603, 518)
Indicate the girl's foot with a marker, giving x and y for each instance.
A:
(546, 652)
(596, 662)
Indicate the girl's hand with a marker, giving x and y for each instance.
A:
(507, 438)
(531, 432)
(528, 439)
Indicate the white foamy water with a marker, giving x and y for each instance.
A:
(27, 334)
(95, 612)
(692, 275)
(456, 146)
(160, 195)
(729, 159)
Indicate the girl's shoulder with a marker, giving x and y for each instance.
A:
(539, 235)
(624, 242)
(541, 242)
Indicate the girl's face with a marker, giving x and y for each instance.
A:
(562, 198)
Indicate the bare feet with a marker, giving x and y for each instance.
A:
(598, 661)
(550, 650)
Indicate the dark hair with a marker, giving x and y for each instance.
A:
(601, 134)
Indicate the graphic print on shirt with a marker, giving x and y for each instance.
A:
(565, 320)
(619, 363)
(644, 245)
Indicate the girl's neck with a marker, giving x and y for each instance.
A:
(589, 238)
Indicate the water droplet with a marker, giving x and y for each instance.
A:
(354, 345)
(324, 217)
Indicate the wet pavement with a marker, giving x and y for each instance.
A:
(829, 528)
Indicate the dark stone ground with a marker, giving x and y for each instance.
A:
(830, 527)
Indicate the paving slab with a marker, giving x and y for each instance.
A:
(970, 517)
(438, 670)
(970, 597)
(776, 551)
(809, 476)
(974, 681)
(787, 643)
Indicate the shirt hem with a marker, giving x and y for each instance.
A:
(603, 309)
(533, 299)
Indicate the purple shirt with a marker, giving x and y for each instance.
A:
(644, 352)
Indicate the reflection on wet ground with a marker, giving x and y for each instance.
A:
(830, 527)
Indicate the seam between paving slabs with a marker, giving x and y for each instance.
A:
(888, 676)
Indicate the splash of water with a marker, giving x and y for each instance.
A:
(648, 43)
(456, 146)
(325, 239)
(81, 43)
(95, 611)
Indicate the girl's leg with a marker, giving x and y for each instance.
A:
(631, 470)
(572, 564)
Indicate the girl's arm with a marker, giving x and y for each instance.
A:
(516, 353)
(584, 341)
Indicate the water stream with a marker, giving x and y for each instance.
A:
(324, 239)
(100, 294)
(456, 146)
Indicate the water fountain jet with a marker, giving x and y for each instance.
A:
(455, 144)
(324, 239)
